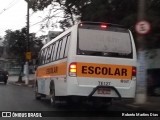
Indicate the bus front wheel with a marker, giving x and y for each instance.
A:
(52, 94)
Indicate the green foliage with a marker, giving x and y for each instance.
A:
(16, 43)
(38, 4)
(114, 11)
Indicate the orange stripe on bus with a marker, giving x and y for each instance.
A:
(52, 70)
(104, 71)
(93, 70)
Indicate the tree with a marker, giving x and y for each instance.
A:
(16, 44)
(90, 10)
(114, 11)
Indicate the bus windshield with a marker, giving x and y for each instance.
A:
(111, 42)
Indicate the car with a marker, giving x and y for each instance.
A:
(3, 76)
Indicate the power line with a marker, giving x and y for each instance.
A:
(47, 18)
(11, 2)
(10, 5)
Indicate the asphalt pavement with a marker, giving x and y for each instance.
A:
(152, 103)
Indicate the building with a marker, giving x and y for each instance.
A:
(153, 72)
(51, 35)
(9, 64)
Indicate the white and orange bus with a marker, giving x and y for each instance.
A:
(95, 61)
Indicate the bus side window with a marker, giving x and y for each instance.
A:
(59, 48)
(67, 46)
(43, 56)
(49, 53)
(40, 57)
(55, 51)
(52, 53)
(63, 47)
(46, 54)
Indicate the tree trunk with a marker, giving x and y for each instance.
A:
(21, 74)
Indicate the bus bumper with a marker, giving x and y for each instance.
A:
(92, 91)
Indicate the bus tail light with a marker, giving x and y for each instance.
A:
(103, 26)
(134, 71)
(73, 69)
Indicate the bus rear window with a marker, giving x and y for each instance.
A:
(104, 41)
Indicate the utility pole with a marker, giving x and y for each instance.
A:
(28, 26)
(26, 67)
(142, 28)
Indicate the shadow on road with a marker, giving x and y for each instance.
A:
(85, 106)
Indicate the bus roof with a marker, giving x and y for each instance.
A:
(101, 23)
(82, 22)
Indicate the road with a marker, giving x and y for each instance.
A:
(21, 98)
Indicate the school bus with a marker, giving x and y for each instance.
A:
(89, 61)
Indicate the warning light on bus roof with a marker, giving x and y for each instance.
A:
(103, 26)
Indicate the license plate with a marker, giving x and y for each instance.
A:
(104, 91)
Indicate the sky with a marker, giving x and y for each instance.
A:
(13, 16)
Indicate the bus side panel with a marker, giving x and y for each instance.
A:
(60, 79)
(41, 85)
(58, 76)
(60, 86)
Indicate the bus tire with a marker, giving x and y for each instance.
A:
(52, 94)
(37, 95)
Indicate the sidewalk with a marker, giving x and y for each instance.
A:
(14, 80)
(152, 104)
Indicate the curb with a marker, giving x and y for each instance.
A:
(21, 84)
